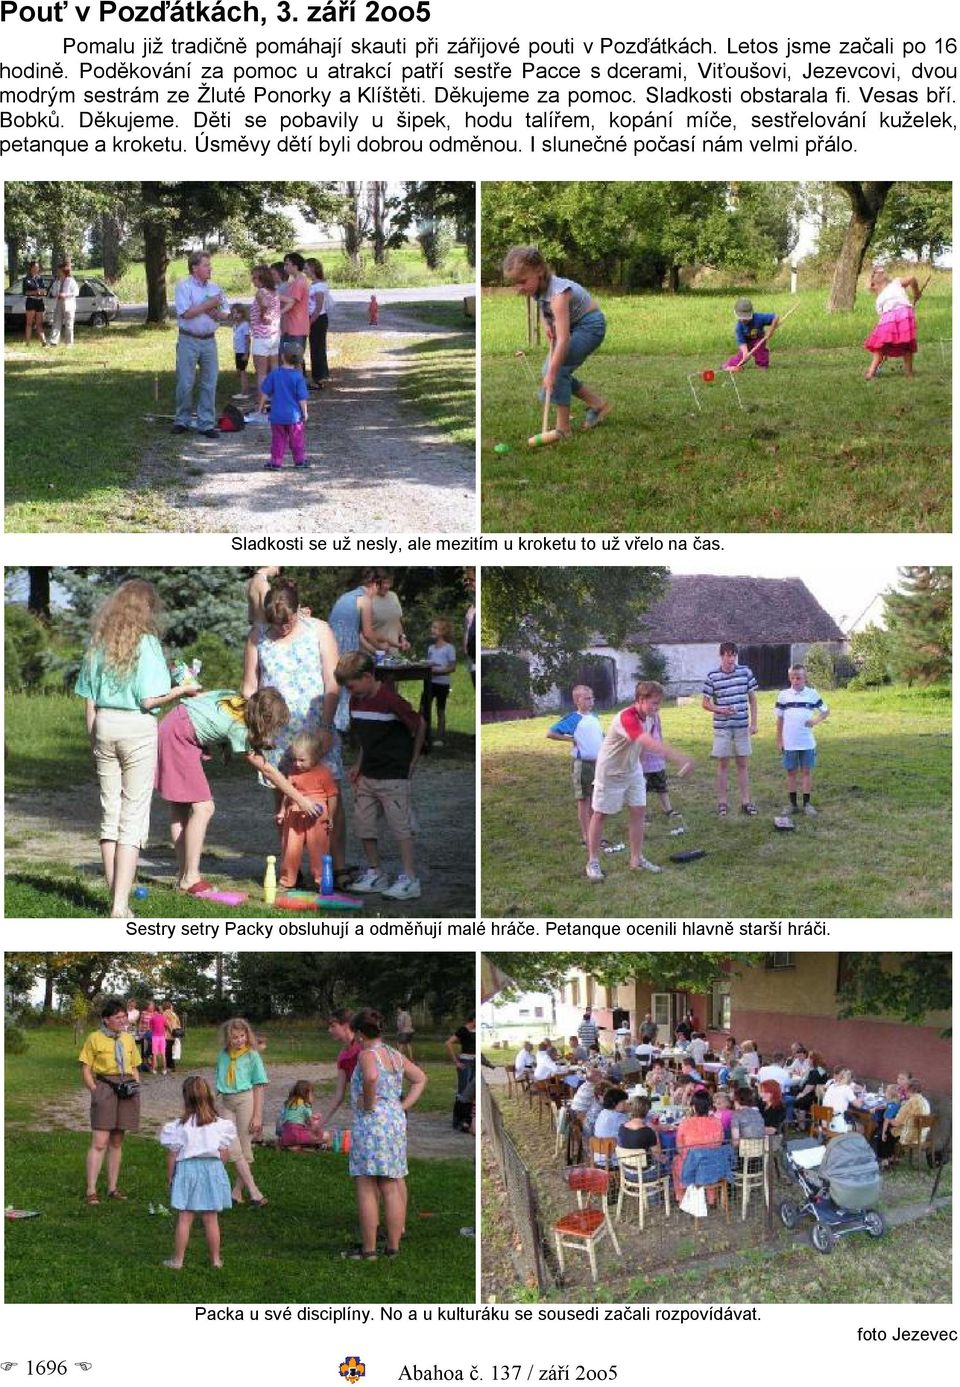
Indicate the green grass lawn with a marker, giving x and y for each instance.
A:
(815, 447)
(80, 425)
(48, 749)
(405, 268)
(880, 847)
(289, 1251)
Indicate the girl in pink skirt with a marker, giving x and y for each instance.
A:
(247, 726)
(896, 332)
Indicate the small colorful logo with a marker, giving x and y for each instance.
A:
(352, 1369)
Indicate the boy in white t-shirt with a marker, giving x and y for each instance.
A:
(799, 710)
(582, 730)
(442, 659)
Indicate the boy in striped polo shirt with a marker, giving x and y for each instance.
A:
(730, 694)
(799, 710)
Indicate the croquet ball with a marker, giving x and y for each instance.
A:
(501, 447)
(140, 893)
(709, 376)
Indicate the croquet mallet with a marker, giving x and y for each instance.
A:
(545, 436)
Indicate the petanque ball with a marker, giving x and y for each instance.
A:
(709, 376)
(501, 447)
(140, 893)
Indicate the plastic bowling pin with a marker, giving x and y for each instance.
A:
(270, 882)
(326, 879)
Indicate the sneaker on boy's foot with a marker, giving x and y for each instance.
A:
(809, 810)
(645, 866)
(369, 881)
(594, 872)
(403, 889)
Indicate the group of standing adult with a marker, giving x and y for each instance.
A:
(289, 310)
(63, 290)
(383, 1084)
(125, 680)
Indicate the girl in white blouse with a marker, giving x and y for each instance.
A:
(197, 1144)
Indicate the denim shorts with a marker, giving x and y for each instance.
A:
(800, 760)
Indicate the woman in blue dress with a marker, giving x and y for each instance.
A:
(351, 621)
(378, 1151)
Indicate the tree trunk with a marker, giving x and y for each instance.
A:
(13, 259)
(155, 255)
(218, 978)
(866, 204)
(673, 280)
(378, 197)
(48, 987)
(38, 599)
(110, 242)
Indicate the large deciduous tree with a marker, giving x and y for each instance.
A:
(551, 614)
(866, 204)
(906, 986)
(683, 972)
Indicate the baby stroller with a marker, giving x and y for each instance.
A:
(841, 1188)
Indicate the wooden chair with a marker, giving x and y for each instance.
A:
(574, 1137)
(632, 1164)
(820, 1119)
(513, 1085)
(864, 1124)
(752, 1170)
(540, 1091)
(561, 1126)
(923, 1145)
(602, 1153)
(583, 1228)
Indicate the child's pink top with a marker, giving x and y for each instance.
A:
(158, 1026)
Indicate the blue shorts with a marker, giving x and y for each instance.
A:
(800, 760)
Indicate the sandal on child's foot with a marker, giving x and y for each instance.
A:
(357, 1254)
(92, 1199)
(595, 417)
(172, 1265)
(722, 810)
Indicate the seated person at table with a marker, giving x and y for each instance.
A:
(525, 1062)
(747, 1119)
(738, 1076)
(577, 1051)
(545, 1067)
(731, 1050)
(772, 1107)
(749, 1057)
(637, 1135)
(689, 1073)
(704, 1128)
(841, 1091)
(698, 1047)
(681, 1040)
(553, 1052)
(657, 1080)
(594, 1055)
(723, 1108)
(775, 1070)
(903, 1085)
(610, 1119)
(799, 1061)
(886, 1139)
(807, 1094)
(905, 1125)
(586, 1100)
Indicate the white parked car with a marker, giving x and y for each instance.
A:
(96, 304)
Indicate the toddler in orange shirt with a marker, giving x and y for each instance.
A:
(300, 830)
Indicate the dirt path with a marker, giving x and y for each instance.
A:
(374, 460)
(54, 827)
(429, 1134)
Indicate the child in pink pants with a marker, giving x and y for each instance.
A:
(286, 390)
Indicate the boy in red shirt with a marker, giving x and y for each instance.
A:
(391, 738)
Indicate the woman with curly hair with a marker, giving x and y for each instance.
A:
(125, 682)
